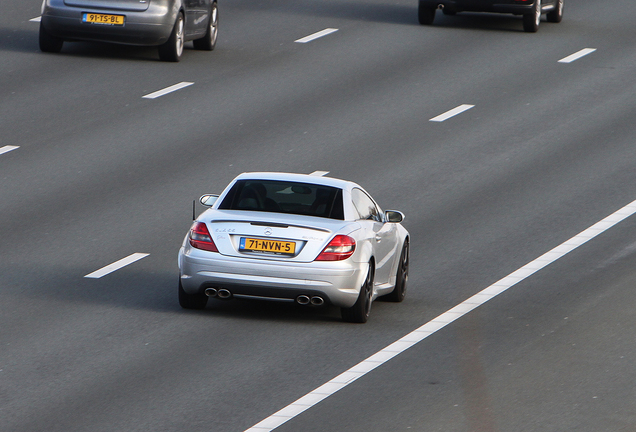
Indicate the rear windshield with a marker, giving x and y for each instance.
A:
(285, 197)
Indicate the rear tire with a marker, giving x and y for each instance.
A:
(556, 15)
(48, 42)
(208, 42)
(191, 301)
(171, 51)
(359, 312)
(402, 276)
(425, 14)
(531, 21)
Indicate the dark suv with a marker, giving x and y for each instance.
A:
(531, 10)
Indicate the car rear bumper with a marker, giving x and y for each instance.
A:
(150, 27)
(338, 282)
(500, 6)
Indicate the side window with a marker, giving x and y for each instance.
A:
(364, 205)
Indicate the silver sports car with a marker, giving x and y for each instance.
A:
(299, 238)
(166, 24)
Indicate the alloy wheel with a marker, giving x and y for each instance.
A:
(179, 40)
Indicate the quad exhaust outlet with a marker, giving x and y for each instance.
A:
(225, 294)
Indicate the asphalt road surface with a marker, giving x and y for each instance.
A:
(92, 172)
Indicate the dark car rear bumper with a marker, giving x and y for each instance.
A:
(500, 6)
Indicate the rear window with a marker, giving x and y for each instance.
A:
(285, 197)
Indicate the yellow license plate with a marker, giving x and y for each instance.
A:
(95, 18)
(262, 245)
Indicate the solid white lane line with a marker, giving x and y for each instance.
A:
(7, 149)
(316, 35)
(116, 265)
(167, 90)
(577, 55)
(452, 113)
(421, 333)
(319, 173)
(36, 19)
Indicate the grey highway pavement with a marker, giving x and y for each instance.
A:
(92, 172)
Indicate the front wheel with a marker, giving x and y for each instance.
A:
(208, 42)
(359, 312)
(173, 48)
(556, 15)
(531, 21)
(48, 42)
(425, 13)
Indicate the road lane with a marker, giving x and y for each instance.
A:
(440, 322)
(555, 352)
(7, 149)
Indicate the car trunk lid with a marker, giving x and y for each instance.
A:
(265, 236)
(111, 5)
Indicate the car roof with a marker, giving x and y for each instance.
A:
(300, 178)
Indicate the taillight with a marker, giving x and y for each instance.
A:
(200, 237)
(340, 248)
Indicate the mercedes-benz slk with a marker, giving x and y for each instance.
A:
(304, 239)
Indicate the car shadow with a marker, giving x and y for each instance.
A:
(479, 21)
(142, 290)
(271, 311)
(26, 41)
(103, 50)
(19, 40)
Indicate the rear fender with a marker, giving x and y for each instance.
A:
(364, 252)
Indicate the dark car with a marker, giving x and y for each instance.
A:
(531, 10)
(166, 24)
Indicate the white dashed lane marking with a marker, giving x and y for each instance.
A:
(319, 173)
(116, 265)
(7, 149)
(36, 19)
(452, 113)
(577, 55)
(167, 90)
(421, 333)
(316, 35)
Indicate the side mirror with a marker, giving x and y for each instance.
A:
(393, 216)
(208, 200)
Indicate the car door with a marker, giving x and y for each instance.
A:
(192, 11)
(382, 235)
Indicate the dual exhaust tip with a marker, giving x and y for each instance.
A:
(306, 300)
(225, 294)
(220, 293)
